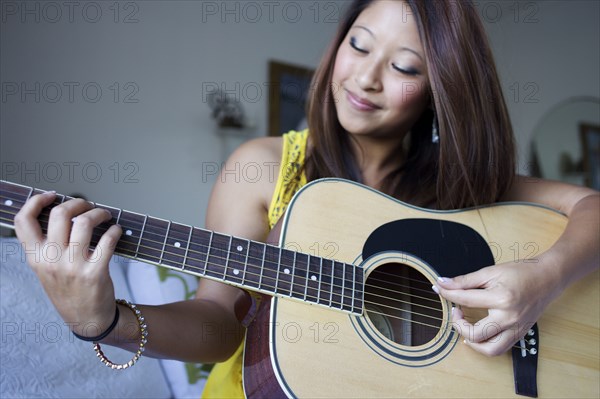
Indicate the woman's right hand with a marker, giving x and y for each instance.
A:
(75, 278)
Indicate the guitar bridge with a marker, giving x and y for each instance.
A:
(525, 361)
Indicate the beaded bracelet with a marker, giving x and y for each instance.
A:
(143, 340)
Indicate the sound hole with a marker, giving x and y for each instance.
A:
(402, 306)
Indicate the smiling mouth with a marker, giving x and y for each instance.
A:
(361, 104)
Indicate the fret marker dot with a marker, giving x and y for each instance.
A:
(236, 271)
(313, 277)
(128, 232)
(286, 270)
(240, 248)
(8, 203)
(177, 244)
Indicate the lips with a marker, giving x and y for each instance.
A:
(361, 103)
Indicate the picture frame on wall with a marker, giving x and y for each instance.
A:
(590, 143)
(289, 86)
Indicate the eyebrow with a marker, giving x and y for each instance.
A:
(401, 48)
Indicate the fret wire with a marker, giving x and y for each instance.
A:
(111, 208)
(63, 198)
(143, 232)
(278, 271)
(228, 256)
(332, 282)
(119, 216)
(262, 271)
(165, 242)
(353, 287)
(293, 274)
(31, 189)
(343, 283)
(187, 248)
(268, 289)
(265, 260)
(307, 277)
(354, 271)
(150, 232)
(261, 283)
(361, 297)
(140, 240)
(208, 251)
(248, 256)
(246, 263)
(320, 278)
(125, 252)
(201, 245)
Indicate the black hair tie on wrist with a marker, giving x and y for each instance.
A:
(105, 333)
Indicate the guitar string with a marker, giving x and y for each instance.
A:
(171, 246)
(241, 262)
(96, 233)
(411, 321)
(317, 299)
(426, 283)
(416, 280)
(191, 250)
(333, 285)
(342, 296)
(369, 293)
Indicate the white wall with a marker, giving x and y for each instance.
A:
(169, 52)
(546, 51)
(151, 153)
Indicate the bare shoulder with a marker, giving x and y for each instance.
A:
(239, 203)
(267, 149)
(242, 192)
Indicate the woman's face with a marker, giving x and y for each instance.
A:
(380, 83)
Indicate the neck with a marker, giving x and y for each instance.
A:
(235, 261)
(377, 157)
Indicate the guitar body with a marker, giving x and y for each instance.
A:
(404, 345)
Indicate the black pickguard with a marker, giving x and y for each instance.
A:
(450, 248)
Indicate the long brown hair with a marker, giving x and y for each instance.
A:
(474, 161)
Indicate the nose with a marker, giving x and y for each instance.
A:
(368, 76)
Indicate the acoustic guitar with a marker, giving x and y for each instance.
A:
(348, 309)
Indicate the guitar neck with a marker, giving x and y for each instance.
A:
(235, 261)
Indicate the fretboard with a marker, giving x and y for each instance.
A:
(235, 261)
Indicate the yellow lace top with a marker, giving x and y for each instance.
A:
(225, 380)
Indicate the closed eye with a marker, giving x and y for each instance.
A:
(409, 71)
(355, 46)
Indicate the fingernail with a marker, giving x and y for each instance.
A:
(51, 192)
(435, 289)
(443, 279)
(452, 310)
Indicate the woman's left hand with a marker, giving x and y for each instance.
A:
(515, 294)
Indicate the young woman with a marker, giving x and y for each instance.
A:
(407, 101)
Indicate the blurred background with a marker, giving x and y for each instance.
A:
(113, 99)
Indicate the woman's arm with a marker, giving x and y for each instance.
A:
(205, 329)
(516, 294)
(577, 251)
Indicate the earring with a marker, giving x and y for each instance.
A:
(435, 137)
